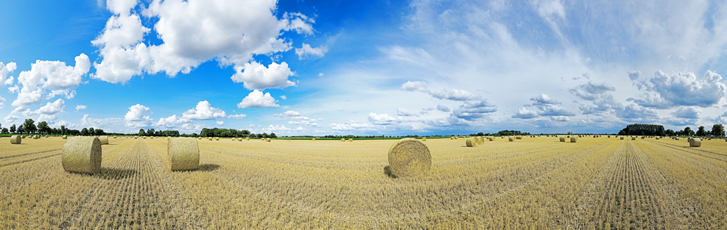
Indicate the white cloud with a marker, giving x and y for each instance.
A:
(275, 128)
(350, 126)
(103, 123)
(681, 89)
(257, 76)
(53, 76)
(320, 74)
(634, 113)
(524, 113)
(308, 51)
(80, 107)
(138, 116)
(405, 113)
(191, 32)
(543, 99)
(294, 117)
(203, 111)
(382, 119)
(454, 95)
(1, 102)
(591, 91)
(256, 99)
(443, 108)
(284, 97)
(5, 70)
(171, 121)
(220, 122)
(687, 113)
(50, 111)
(237, 116)
(474, 110)
(554, 110)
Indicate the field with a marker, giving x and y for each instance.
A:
(536, 183)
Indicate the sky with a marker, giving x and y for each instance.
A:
(363, 67)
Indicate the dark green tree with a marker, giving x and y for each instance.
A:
(63, 130)
(718, 130)
(43, 127)
(84, 132)
(91, 131)
(13, 128)
(668, 132)
(141, 132)
(272, 135)
(150, 132)
(29, 126)
(20, 129)
(5, 131)
(688, 131)
(701, 132)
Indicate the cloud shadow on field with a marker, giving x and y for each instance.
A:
(114, 174)
(208, 167)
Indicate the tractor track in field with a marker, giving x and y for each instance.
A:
(699, 152)
(29, 160)
(25, 154)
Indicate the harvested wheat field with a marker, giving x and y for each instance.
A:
(534, 182)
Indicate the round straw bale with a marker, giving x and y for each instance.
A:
(217, 138)
(15, 139)
(183, 154)
(491, 138)
(573, 139)
(510, 139)
(262, 139)
(350, 139)
(314, 138)
(136, 137)
(343, 139)
(562, 139)
(267, 139)
(104, 140)
(519, 137)
(451, 138)
(64, 137)
(643, 138)
(82, 155)
(247, 138)
(696, 142)
(471, 142)
(22, 137)
(424, 139)
(409, 157)
(239, 139)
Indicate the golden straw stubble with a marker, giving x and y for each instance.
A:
(183, 154)
(409, 157)
(82, 155)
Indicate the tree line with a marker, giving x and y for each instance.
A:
(658, 130)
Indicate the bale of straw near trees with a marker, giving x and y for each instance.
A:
(424, 139)
(562, 139)
(510, 139)
(633, 138)
(15, 139)
(471, 142)
(64, 137)
(451, 138)
(217, 138)
(573, 139)
(350, 139)
(22, 137)
(183, 154)
(239, 139)
(491, 138)
(696, 142)
(314, 138)
(267, 139)
(82, 155)
(343, 139)
(518, 137)
(104, 140)
(247, 138)
(409, 157)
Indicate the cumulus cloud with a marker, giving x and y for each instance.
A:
(680, 89)
(350, 126)
(443, 108)
(1, 102)
(524, 113)
(474, 110)
(604, 104)
(51, 111)
(256, 99)
(382, 119)
(80, 107)
(554, 110)
(190, 33)
(138, 116)
(53, 76)
(284, 97)
(203, 111)
(220, 122)
(633, 113)
(308, 51)
(88, 121)
(294, 117)
(543, 99)
(454, 95)
(5, 70)
(405, 113)
(591, 91)
(257, 76)
(171, 121)
(237, 116)
(687, 112)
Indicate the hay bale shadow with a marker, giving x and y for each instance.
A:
(387, 171)
(114, 174)
(208, 167)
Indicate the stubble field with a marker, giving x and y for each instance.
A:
(534, 182)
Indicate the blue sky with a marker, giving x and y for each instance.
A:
(363, 67)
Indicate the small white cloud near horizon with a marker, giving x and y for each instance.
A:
(256, 99)
(255, 76)
(138, 116)
(308, 51)
(80, 107)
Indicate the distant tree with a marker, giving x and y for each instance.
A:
(687, 131)
(43, 127)
(141, 132)
(245, 132)
(12, 128)
(63, 130)
(265, 135)
(29, 126)
(272, 135)
(701, 132)
(5, 131)
(718, 130)
(99, 132)
(20, 129)
(91, 131)
(668, 132)
(259, 135)
(480, 134)
(84, 132)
